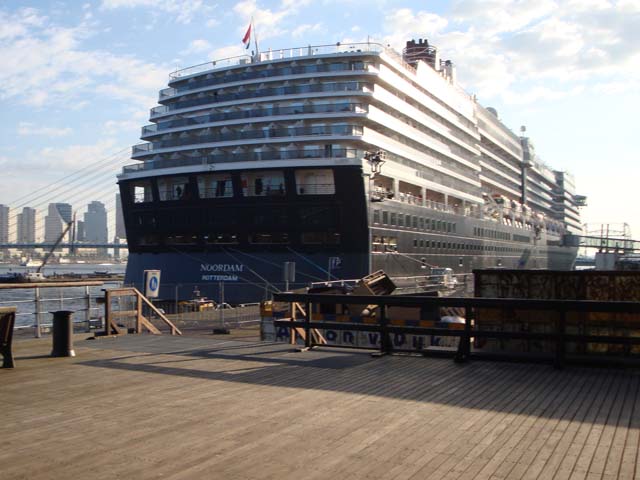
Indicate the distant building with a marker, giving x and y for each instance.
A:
(4, 228)
(55, 222)
(120, 232)
(26, 226)
(95, 225)
(4, 224)
(80, 232)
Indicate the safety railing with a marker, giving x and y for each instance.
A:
(376, 314)
(280, 54)
(34, 303)
(289, 133)
(214, 97)
(204, 160)
(203, 120)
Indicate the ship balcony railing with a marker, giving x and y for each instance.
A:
(316, 189)
(142, 197)
(264, 191)
(348, 86)
(255, 113)
(216, 192)
(295, 52)
(206, 160)
(355, 67)
(288, 132)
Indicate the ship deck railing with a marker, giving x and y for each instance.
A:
(195, 140)
(285, 53)
(206, 160)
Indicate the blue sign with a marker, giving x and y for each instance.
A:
(151, 283)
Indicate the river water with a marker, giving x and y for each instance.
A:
(54, 298)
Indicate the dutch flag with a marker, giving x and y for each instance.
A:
(247, 38)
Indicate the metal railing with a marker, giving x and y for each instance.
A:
(33, 312)
(280, 54)
(206, 160)
(227, 77)
(349, 86)
(197, 140)
(253, 114)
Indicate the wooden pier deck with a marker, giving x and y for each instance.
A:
(149, 407)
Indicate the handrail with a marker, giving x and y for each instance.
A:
(471, 306)
(309, 50)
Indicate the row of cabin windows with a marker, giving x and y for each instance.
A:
(390, 244)
(260, 238)
(488, 233)
(412, 221)
(229, 76)
(220, 185)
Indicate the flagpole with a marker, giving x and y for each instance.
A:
(255, 38)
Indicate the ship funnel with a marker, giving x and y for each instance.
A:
(421, 50)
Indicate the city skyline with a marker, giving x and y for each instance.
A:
(31, 225)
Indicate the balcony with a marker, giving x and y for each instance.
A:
(207, 160)
(271, 73)
(289, 53)
(264, 92)
(253, 114)
(289, 133)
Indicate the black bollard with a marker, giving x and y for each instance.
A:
(62, 334)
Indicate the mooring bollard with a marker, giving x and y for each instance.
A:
(63, 334)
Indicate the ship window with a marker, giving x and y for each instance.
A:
(385, 217)
(400, 220)
(393, 218)
(376, 216)
(320, 238)
(269, 238)
(212, 186)
(421, 223)
(315, 182)
(221, 238)
(141, 192)
(264, 183)
(181, 239)
(433, 224)
(454, 228)
(439, 225)
(415, 242)
(415, 221)
(172, 188)
(146, 240)
(422, 243)
(448, 227)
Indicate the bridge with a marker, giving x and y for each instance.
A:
(72, 246)
(605, 244)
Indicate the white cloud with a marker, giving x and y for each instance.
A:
(185, 11)
(520, 50)
(197, 46)
(47, 64)
(268, 21)
(112, 127)
(306, 29)
(31, 129)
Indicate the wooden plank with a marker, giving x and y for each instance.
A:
(322, 415)
(174, 330)
(144, 322)
(123, 313)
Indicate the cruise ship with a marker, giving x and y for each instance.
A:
(331, 162)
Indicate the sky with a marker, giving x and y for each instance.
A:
(78, 79)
